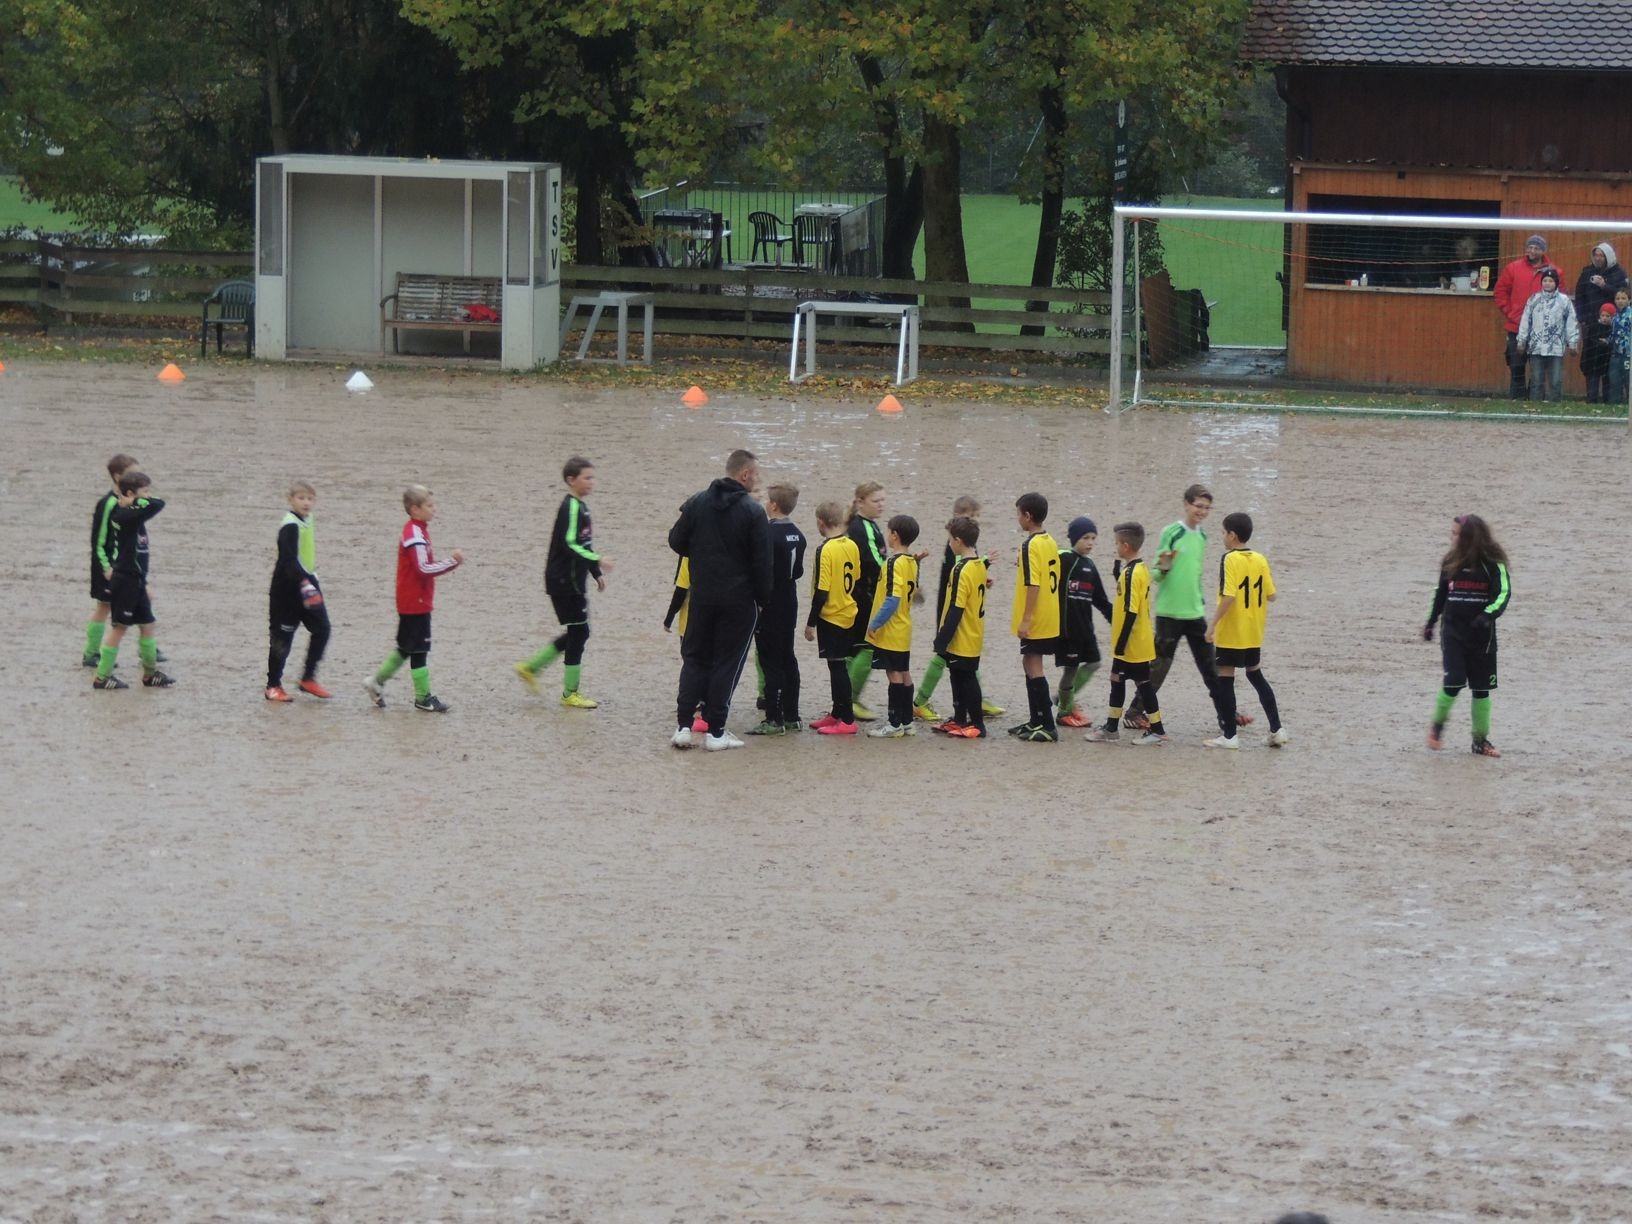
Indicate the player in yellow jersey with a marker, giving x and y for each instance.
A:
(1036, 616)
(889, 627)
(1245, 590)
(1133, 641)
(834, 574)
(962, 629)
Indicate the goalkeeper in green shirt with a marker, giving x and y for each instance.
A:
(1180, 606)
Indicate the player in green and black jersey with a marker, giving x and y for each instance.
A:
(1471, 595)
(571, 562)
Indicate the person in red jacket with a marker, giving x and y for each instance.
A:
(1514, 287)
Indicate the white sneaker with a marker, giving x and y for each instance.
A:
(682, 738)
(720, 742)
(1150, 739)
(375, 691)
(1279, 739)
(1222, 741)
(886, 731)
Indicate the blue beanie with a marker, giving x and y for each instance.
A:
(1536, 240)
(1080, 526)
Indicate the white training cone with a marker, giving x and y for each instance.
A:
(359, 382)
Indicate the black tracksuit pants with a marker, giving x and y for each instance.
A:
(718, 637)
(774, 640)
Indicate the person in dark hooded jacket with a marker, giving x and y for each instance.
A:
(1595, 287)
(724, 534)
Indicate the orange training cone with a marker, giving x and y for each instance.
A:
(171, 373)
(696, 397)
(2, 367)
(889, 404)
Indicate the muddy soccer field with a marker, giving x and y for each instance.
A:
(328, 962)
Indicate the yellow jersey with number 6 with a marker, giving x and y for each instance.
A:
(1245, 575)
(1039, 567)
(838, 561)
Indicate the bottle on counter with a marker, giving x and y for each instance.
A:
(1365, 279)
(1484, 276)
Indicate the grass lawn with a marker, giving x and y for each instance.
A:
(14, 210)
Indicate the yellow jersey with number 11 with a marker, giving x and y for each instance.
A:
(1245, 575)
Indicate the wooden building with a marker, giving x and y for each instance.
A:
(1468, 108)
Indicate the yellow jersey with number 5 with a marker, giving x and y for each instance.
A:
(1245, 575)
(1039, 567)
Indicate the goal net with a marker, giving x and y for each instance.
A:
(1366, 310)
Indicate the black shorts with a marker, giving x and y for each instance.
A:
(835, 641)
(960, 662)
(127, 595)
(1074, 654)
(1469, 657)
(571, 607)
(99, 584)
(1137, 672)
(1237, 656)
(414, 633)
(1041, 646)
(891, 660)
(1170, 630)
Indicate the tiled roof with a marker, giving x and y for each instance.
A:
(1545, 34)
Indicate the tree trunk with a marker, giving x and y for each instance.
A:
(944, 256)
(1055, 121)
(588, 240)
(272, 85)
(903, 189)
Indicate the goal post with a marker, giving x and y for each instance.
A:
(1348, 305)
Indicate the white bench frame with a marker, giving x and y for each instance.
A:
(598, 302)
(906, 351)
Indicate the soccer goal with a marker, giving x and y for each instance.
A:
(1356, 310)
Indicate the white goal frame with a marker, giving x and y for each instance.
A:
(1123, 214)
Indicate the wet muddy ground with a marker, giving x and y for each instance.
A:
(331, 962)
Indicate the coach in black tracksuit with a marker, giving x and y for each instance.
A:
(724, 533)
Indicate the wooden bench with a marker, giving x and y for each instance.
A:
(428, 302)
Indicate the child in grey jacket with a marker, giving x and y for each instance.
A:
(1546, 330)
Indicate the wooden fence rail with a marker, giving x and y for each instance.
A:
(743, 304)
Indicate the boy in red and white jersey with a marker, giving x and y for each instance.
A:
(417, 570)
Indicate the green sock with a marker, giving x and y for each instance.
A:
(93, 637)
(393, 661)
(543, 658)
(1481, 717)
(569, 683)
(422, 682)
(1085, 673)
(148, 649)
(110, 655)
(861, 666)
(1442, 706)
(932, 678)
(759, 677)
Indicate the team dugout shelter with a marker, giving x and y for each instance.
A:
(345, 247)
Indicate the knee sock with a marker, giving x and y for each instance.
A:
(861, 666)
(277, 655)
(110, 653)
(393, 661)
(960, 700)
(1224, 703)
(148, 649)
(1481, 715)
(1042, 710)
(1153, 711)
(422, 682)
(1443, 700)
(1119, 695)
(1068, 679)
(569, 680)
(1266, 698)
(839, 678)
(759, 676)
(93, 637)
(926, 688)
(977, 706)
(545, 657)
(901, 704)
